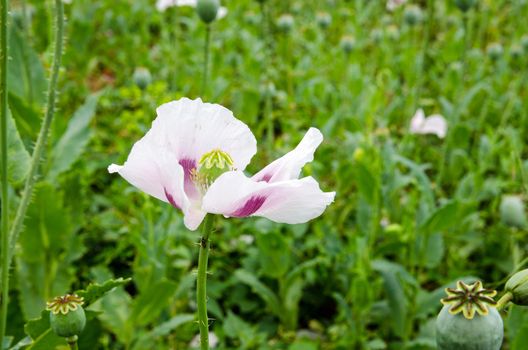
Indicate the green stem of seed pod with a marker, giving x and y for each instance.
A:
(201, 292)
(206, 57)
(504, 301)
(3, 150)
(44, 129)
(72, 342)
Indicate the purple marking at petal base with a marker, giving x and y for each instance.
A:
(171, 200)
(266, 178)
(188, 166)
(250, 207)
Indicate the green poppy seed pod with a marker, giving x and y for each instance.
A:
(142, 77)
(67, 318)
(348, 44)
(323, 20)
(469, 319)
(412, 15)
(494, 51)
(376, 35)
(393, 32)
(457, 332)
(524, 43)
(512, 211)
(285, 22)
(516, 51)
(207, 10)
(517, 285)
(465, 5)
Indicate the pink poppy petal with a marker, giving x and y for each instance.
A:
(292, 201)
(289, 166)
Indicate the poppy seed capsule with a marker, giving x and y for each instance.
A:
(207, 10)
(494, 51)
(412, 15)
(469, 319)
(323, 20)
(512, 211)
(465, 5)
(142, 77)
(67, 318)
(285, 22)
(516, 52)
(517, 285)
(524, 43)
(348, 44)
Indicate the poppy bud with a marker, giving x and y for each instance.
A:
(517, 285)
(512, 211)
(412, 15)
(207, 10)
(494, 51)
(469, 319)
(465, 5)
(323, 20)
(285, 22)
(67, 318)
(142, 77)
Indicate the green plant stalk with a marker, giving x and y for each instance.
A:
(268, 108)
(201, 291)
(504, 301)
(44, 130)
(3, 150)
(206, 57)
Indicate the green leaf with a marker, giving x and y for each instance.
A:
(262, 290)
(72, 143)
(274, 254)
(442, 218)
(25, 72)
(19, 160)
(395, 295)
(152, 301)
(95, 291)
(39, 331)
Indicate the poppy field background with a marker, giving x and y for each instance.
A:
(413, 212)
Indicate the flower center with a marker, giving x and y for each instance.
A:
(469, 299)
(64, 304)
(211, 165)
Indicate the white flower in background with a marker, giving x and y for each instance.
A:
(434, 124)
(394, 4)
(213, 341)
(194, 155)
(162, 5)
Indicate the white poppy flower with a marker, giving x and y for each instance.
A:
(194, 155)
(434, 124)
(394, 4)
(162, 5)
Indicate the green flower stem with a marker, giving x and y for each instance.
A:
(268, 112)
(206, 57)
(504, 301)
(44, 130)
(3, 150)
(72, 342)
(201, 293)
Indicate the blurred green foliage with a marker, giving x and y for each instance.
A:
(413, 213)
